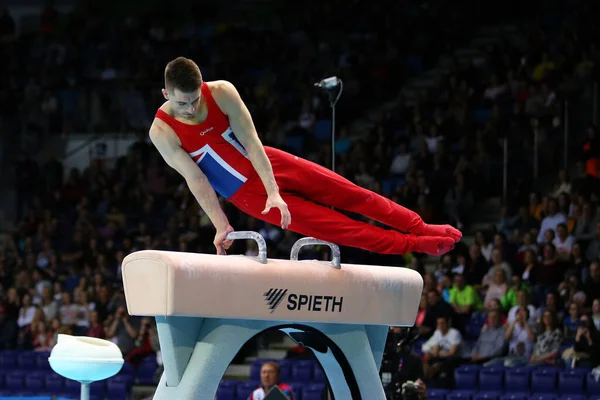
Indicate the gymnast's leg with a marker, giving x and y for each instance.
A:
(311, 219)
(310, 180)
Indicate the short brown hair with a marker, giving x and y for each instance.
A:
(183, 74)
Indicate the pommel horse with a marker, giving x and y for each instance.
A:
(207, 307)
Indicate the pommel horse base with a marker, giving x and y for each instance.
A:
(207, 307)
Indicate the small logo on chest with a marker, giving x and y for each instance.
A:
(206, 131)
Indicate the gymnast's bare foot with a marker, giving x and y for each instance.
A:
(442, 231)
(433, 245)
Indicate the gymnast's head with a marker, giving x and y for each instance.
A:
(183, 81)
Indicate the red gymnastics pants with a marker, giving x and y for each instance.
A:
(308, 189)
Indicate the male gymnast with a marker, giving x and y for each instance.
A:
(205, 132)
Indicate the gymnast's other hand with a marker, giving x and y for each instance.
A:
(221, 243)
(275, 200)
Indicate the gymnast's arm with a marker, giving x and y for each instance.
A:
(240, 120)
(168, 145)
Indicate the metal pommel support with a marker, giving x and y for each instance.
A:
(310, 241)
(257, 237)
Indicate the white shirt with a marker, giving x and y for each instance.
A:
(26, 316)
(451, 338)
(400, 164)
(512, 314)
(565, 246)
(550, 223)
(519, 335)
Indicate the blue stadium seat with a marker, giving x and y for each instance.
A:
(297, 389)
(27, 360)
(255, 370)
(67, 396)
(54, 383)
(465, 379)
(146, 370)
(473, 328)
(72, 387)
(319, 375)
(226, 393)
(468, 367)
(285, 370)
(437, 392)
(42, 361)
(98, 389)
(572, 397)
(542, 396)
(543, 381)
(35, 381)
(244, 389)
(436, 396)
(313, 392)
(127, 369)
(116, 388)
(515, 396)
(491, 379)
(571, 382)
(487, 395)
(516, 380)
(8, 360)
(592, 385)
(461, 395)
(302, 372)
(14, 381)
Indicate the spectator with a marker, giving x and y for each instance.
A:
(563, 185)
(498, 263)
(26, 312)
(458, 203)
(563, 242)
(596, 313)
(442, 350)
(9, 331)
(584, 225)
(421, 312)
(438, 308)
(42, 338)
(490, 343)
(484, 245)
(96, 329)
(522, 302)
(510, 299)
(269, 378)
(548, 340)
(594, 247)
(143, 345)
(571, 322)
(592, 285)
(530, 267)
(586, 351)
(520, 335)
(68, 312)
(552, 220)
(123, 330)
(476, 266)
(497, 288)
(463, 299)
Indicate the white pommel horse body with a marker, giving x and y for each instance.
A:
(207, 307)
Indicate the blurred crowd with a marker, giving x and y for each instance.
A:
(527, 288)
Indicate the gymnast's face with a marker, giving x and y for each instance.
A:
(184, 105)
